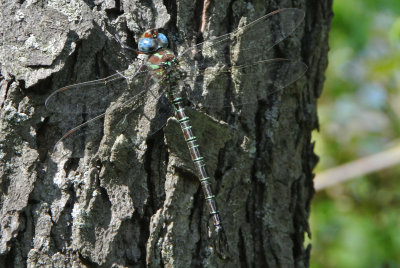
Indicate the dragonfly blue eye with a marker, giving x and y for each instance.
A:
(152, 44)
(162, 40)
(146, 45)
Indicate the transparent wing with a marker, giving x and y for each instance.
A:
(147, 112)
(226, 85)
(142, 105)
(252, 40)
(92, 97)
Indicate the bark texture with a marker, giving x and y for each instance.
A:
(123, 198)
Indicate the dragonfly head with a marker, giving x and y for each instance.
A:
(151, 41)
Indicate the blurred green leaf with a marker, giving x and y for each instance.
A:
(394, 32)
(357, 224)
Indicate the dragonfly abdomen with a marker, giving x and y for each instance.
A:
(197, 159)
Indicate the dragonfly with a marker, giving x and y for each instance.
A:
(212, 73)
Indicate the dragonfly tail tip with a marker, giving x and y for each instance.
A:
(221, 245)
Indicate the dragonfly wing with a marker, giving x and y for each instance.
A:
(75, 139)
(148, 110)
(155, 111)
(158, 114)
(244, 84)
(255, 38)
(92, 97)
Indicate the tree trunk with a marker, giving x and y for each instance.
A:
(123, 197)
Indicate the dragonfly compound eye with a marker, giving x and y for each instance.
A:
(162, 40)
(147, 45)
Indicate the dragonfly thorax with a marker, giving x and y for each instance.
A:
(165, 67)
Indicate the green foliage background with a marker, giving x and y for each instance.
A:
(357, 223)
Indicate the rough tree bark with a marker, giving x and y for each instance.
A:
(133, 200)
